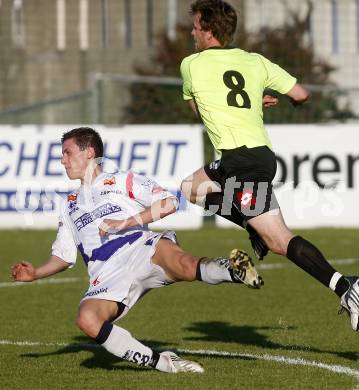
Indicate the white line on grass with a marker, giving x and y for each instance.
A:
(42, 281)
(38, 343)
(285, 264)
(262, 266)
(280, 359)
(274, 358)
(344, 261)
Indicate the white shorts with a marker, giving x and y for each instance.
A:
(130, 273)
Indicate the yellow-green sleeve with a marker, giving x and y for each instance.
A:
(187, 84)
(277, 78)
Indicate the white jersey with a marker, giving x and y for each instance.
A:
(115, 196)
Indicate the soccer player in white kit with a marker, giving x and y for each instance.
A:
(106, 220)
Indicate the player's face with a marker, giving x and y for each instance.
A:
(75, 160)
(201, 37)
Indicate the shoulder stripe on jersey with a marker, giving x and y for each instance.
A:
(129, 185)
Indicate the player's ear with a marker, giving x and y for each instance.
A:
(91, 152)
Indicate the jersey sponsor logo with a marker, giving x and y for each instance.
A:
(106, 192)
(96, 292)
(72, 197)
(72, 202)
(100, 212)
(109, 182)
(95, 282)
(246, 198)
(73, 209)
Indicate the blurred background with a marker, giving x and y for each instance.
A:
(115, 63)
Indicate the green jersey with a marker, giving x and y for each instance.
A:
(227, 86)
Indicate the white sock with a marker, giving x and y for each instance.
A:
(214, 271)
(122, 344)
(334, 280)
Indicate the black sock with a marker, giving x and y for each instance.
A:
(341, 286)
(104, 332)
(309, 258)
(198, 270)
(154, 359)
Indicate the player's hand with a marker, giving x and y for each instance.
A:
(23, 272)
(111, 226)
(269, 101)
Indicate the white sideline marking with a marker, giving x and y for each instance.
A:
(286, 264)
(42, 281)
(274, 358)
(262, 266)
(344, 261)
(280, 359)
(38, 343)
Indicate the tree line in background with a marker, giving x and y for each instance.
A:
(288, 45)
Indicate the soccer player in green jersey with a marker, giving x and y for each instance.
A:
(225, 86)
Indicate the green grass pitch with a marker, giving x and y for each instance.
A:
(292, 319)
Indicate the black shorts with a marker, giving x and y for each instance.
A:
(245, 176)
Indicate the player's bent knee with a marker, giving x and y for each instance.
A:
(88, 322)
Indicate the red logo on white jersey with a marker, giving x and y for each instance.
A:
(72, 201)
(95, 282)
(71, 197)
(246, 198)
(109, 182)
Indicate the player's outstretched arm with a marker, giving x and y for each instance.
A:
(26, 272)
(156, 211)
